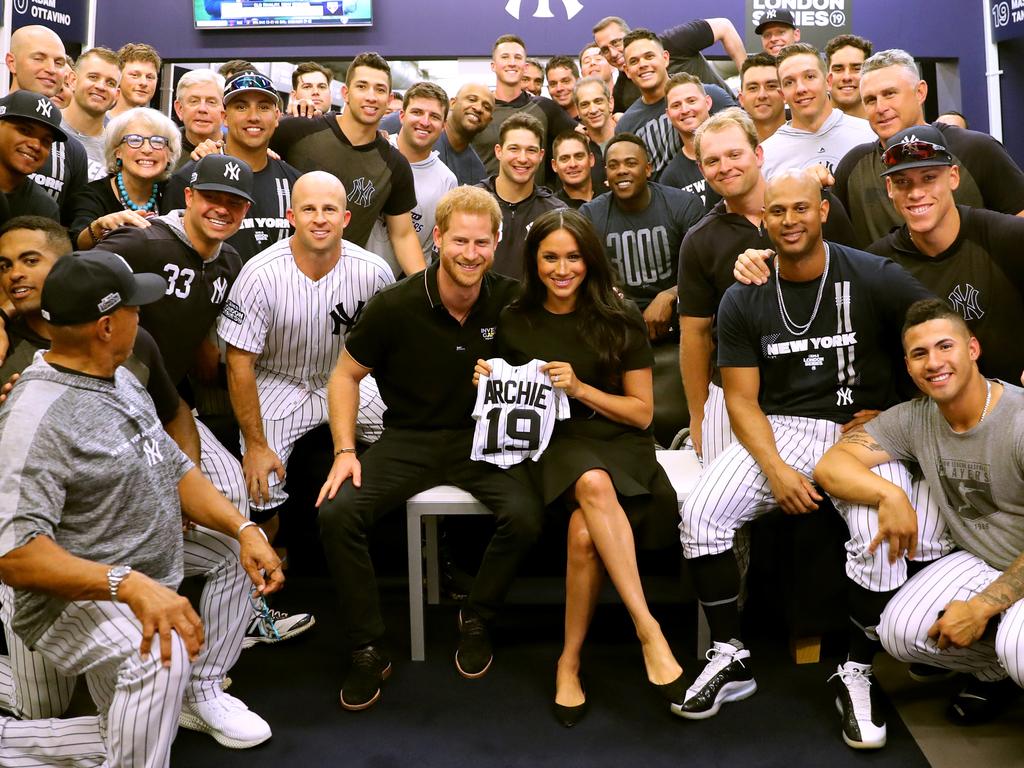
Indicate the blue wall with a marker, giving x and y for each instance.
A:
(950, 29)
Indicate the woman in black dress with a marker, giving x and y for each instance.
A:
(600, 462)
(142, 148)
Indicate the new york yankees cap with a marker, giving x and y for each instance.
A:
(920, 146)
(775, 17)
(29, 105)
(223, 173)
(250, 81)
(86, 285)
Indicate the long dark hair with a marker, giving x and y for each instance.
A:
(603, 318)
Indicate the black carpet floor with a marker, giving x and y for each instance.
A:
(429, 716)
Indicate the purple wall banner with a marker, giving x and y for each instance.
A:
(818, 20)
(68, 18)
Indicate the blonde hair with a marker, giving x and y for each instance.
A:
(722, 120)
(471, 200)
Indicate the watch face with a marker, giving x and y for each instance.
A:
(120, 571)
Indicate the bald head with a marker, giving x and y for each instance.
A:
(319, 216)
(318, 184)
(793, 181)
(36, 60)
(471, 110)
(793, 214)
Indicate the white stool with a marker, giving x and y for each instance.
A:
(682, 467)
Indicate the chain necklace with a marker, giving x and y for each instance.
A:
(794, 328)
(988, 399)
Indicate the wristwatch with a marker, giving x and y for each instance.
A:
(115, 576)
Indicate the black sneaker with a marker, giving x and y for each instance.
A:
(361, 688)
(981, 701)
(726, 677)
(926, 673)
(475, 654)
(857, 702)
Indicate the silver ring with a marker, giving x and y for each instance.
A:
(555, 377)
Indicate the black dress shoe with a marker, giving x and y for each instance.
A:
(569, 716)
(674, 692)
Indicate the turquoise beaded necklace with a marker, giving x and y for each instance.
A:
(127, 201)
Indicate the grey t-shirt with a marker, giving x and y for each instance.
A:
(87, 464)
(93, 150)
(977, 475)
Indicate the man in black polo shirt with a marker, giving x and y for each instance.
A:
(421, 339)
(29, 126)
(893, 94)
(968, 256)
(378, 179)
(684, 44)
(729, 155)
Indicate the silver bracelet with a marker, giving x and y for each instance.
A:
(248, 524)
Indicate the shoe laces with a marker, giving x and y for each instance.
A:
(225, 704)
(718, 659)
(368, 659)
(473, 627)
(858, 683)
(265, 617)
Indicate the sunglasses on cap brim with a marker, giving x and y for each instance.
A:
(914, 151)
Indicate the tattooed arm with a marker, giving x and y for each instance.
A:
(845, 472)
(963, 621)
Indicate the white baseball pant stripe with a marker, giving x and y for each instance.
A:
(71, 743)
(35, 688)
(915, 608)
(734, 490)
(282, 434)
(716, 432)
(221, 468)
(138, 698)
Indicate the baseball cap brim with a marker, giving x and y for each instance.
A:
(57, 131)
(272, 94)
(932, 163)
(772, 22)
(149, 288)
(206, 186)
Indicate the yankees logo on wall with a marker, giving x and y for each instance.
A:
(514, 8)
(818, 20)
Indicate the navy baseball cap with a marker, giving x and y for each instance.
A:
(775, 17)
(248, 82)
(920, 146)
(29, 105)
(223, 173)
(86, 285)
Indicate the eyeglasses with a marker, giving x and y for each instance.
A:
(616, 44)
(913, 151)
(135, 141)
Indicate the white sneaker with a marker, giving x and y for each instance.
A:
(863, 726)
(726, 677)
(227, 719)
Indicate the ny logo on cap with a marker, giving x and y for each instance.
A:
(43, 106)
(769, 15)
(909, 139)
(231, 171)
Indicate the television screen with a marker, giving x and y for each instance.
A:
(247, 14)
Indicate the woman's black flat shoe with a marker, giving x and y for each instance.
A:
(569, 716)
(674, 692)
